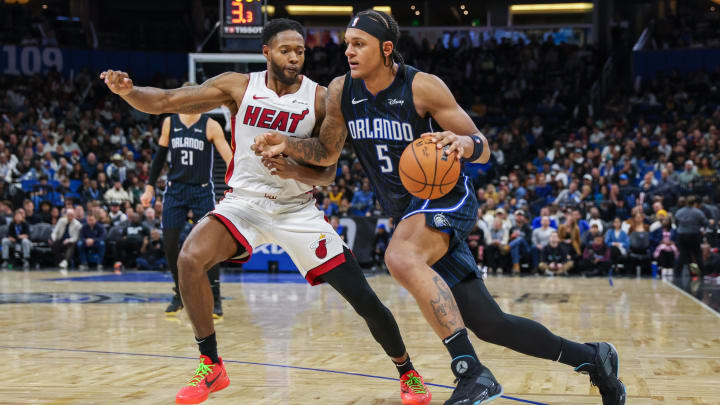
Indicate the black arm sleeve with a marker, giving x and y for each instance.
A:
(157, 164)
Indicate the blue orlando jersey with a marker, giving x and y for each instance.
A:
(191, 154)
(381, 127)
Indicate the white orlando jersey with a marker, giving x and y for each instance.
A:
(262, 110)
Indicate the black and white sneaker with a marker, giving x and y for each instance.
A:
(604, 373)
(475, 383)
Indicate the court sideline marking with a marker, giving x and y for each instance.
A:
(51, 349)
(702, 304)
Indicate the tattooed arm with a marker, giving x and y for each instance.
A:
(213, 93)
(323, 150)
(300, 171)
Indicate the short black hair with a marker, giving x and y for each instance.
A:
(278, 25)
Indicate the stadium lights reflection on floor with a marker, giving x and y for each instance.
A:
(551, 8)
(319, 10)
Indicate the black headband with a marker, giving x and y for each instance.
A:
(373, 27)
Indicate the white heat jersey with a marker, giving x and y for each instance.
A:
(262, 110)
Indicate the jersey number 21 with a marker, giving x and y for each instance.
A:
(186, 157)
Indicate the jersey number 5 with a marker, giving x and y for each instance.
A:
(382, 150)
(186, 157)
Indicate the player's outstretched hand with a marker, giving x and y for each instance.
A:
(281, 167)
(118, 82)
(269, 144)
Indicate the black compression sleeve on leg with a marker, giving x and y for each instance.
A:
(157, 165)
(171, 243)
(349, 280)
(484, 317)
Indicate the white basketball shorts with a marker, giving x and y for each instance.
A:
(299, 228)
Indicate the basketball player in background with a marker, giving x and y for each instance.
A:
(189, 138)
(271, 204)
(385, 105)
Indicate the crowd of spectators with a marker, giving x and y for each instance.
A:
(495, 81)
(73, 163)
(600, 189)
(69, 151)
(689, 30)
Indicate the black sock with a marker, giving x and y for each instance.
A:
(574, 354)
(404, 367)
(208, 347)
(461, 351)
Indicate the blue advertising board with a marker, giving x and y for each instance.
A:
(142, 66)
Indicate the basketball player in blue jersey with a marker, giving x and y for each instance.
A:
(267, 206)
(385, 105)
(189, 138)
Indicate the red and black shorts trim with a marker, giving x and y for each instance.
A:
(244, 249)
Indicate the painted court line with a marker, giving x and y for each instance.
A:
(685, 293)
(320, 370)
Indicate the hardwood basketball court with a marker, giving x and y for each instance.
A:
(104, 339)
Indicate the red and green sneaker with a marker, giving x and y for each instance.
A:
(413, 390)
(209, 377)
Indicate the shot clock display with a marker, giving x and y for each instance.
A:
(242, 18)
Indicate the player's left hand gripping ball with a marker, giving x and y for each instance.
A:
(450, 142)
(269, 144)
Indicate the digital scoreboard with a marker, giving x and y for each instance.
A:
(241, 18)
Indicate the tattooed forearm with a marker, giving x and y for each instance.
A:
(444, 307)
(310, 150)
(324, 150)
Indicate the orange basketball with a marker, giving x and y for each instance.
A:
(426, 171)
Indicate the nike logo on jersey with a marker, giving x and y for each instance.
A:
(259, 98)
(198, 130)
(177, 129)
(273, 119)
(358, 101)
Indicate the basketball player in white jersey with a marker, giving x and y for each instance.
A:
(272, 204)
